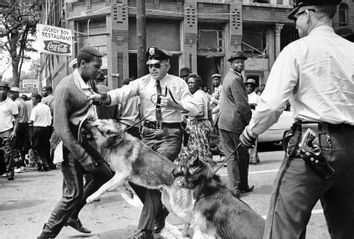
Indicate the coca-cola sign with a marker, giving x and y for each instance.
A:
(57, 47)
(54, 40)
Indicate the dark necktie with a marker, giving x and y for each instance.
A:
(158, 113)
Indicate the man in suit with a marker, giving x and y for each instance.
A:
(235, 113)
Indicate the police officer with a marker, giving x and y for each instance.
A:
(163, 98)
(315, 73)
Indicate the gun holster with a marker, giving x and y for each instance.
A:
(306, 145)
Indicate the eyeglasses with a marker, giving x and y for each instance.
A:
(156, 65)
(302, 12)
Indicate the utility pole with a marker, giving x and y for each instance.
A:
(141, 36)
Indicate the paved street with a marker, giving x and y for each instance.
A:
(25, 204)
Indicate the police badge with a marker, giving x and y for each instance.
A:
(151, 51)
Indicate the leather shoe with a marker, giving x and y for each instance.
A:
(143, 234)
(10, 176)
(160, 221)
(247, 190)
(77, 225)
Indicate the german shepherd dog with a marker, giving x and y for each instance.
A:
(217, 213)
(133, 161)
(129, 158)
(193, 193)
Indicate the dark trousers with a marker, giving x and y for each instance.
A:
(166, 142)
(297, 188)
(74, 194)
(49, 150)
(238, 164)
(40, 143)
(22, 143)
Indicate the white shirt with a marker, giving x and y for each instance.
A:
(316, 74)
(145, 87)
(41, 115)
(129, 111)
(202, 102)
(87, 90)
(8, 109)
(253, 98)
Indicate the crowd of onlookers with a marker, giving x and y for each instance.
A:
(33, 125)
(25, 130)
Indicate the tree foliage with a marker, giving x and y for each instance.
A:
(18, 19)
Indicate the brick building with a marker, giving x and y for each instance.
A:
(201, 34)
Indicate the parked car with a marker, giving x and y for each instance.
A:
(275, 133)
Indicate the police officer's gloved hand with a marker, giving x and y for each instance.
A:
(88, 163)
(248, 138)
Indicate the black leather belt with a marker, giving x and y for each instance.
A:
(160, 125)
(323, 126)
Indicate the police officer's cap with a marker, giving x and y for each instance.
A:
(302, 3)
(155, 55)
(4, 85)
(237, 55)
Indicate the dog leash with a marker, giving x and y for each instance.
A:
(152, 111)
(223, 162)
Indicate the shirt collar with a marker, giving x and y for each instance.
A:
(322, 29)
(81, 83)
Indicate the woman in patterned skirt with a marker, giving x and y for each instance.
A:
(198, 126)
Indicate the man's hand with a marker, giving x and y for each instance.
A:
(168, 102)
(248, 138)
(100, 98)
(88, 164)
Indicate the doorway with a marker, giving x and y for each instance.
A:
(207, 66)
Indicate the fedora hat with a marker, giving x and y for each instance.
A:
(237, 55)
(303, 3)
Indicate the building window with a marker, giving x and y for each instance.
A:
(210, 40)
(254, 42)
(343, 14)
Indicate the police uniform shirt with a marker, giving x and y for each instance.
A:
(145, 87)
(316, 74)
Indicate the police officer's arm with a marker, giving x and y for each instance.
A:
(119, 95)
(282, 80)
